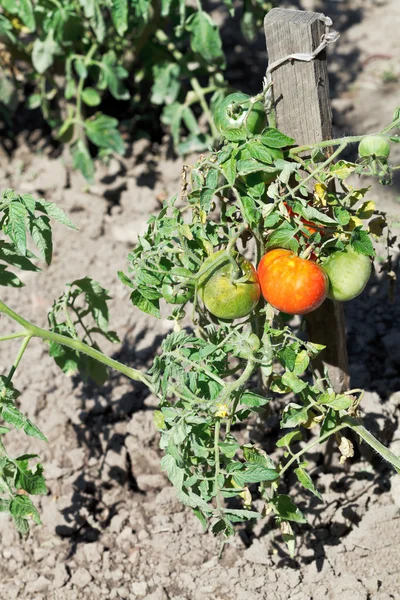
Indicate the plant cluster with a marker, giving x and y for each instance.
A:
(256, 199)
(80, 57)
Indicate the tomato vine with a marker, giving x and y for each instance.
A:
(257, 192)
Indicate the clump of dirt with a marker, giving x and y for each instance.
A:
(112, 526)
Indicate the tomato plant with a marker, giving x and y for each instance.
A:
(195, 260)
(292, 284)
(146, 55)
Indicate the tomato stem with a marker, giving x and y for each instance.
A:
(76, 344)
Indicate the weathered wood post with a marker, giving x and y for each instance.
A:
(303, 111)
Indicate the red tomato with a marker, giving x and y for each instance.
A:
(291, 284)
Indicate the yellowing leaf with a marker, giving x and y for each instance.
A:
(356, 194)
(320, 193)
(354, 222)
(343, 169)
(247, 498)
(185, 231)
(366, 210)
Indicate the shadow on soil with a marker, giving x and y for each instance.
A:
(96, 430)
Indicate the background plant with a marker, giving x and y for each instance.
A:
(211, 377)
(85, 63)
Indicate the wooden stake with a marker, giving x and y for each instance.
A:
(303, 112)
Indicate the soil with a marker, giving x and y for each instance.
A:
(112, 527)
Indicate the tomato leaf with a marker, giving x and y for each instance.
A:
(205, 39)
(273, 138)
(283, 237)
(307, 482)
(286, 440)
(286, 510)
(361, 242)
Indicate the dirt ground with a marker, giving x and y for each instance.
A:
(112, 527)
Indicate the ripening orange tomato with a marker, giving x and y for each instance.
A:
(292, 284)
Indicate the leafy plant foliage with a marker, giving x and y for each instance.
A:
(253, 193)
(79, 54)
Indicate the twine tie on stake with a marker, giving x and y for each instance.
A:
(329, 37)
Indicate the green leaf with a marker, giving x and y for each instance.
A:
(307, 482)
(312, 214)
(21, 506)
(112, 75)
(40, 231)
(205, 39)
(288, 356)
(273, 138)
(286, 510)
(166, 86)
(31, 482)
(286, 440)
(253, 400)
(66, 358)
(235, 135)
(329, 422)
(119, 15)
(82, 160)
(43, 52)
(16, 225)
(250, 211)
(102, 131)
(255, 473)
(229, 170)
(240, 515)
(52, 210)
(250, 165)
(91, 97)
(26, 14)
(361, 242)
(261, 153)
(255, 455)
(334, 401)
(342, 215)
(151, 307)
(301, 363)
(9, 279)
(293, 382)
(97, 23)
(294, 415)
(229, 448)
(190, 120)
(12, 415)
(80, 68)
(283, 237)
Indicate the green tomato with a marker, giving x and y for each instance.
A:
(250, 347)
(233, 112)
(374, 145)
(224, 297)
(348, 272)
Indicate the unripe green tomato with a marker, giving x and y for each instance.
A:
(173, 294)
(348, 273)
(222, 296)
(231, 113)
(250, 346)
(374, 145)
